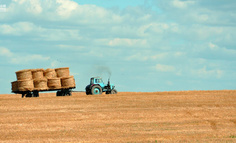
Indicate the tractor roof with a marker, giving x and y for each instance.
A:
(96, 77)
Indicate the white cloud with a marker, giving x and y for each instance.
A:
(35, 7)
(212, 46)
(215, 51)
(137, 57)
(21, 59)
(19, 28)
(39, 33)
(164, 68)
(128, 42)
(20, 1)
(207, 73)
(170, 83)
(5, 52)
(55, 64)
(59, 35)
(145, 56)
(157, 28)
(66, 7)
(71, 47)
(182, 4)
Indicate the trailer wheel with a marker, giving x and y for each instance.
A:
(59, 93)
(23, 94)
(69, 93)
(29, 94)
(35, 94)
(96, 90)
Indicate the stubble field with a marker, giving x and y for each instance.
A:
(187, 116)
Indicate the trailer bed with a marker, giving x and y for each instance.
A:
(64, 91)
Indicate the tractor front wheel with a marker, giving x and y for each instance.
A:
(96, 90)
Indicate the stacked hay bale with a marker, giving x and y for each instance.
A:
(50, 73)
(40, 79)
(53, 81)
(62, 72)
(40, 82)
(14, 86)
(24, 81)
(67, 81)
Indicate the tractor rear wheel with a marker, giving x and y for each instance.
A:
(96, 90)
(114, 91)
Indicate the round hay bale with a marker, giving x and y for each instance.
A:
(62, 72)
(68, 82)
(24, 74)
(54, 83)
(40, 84)
(37, 73)
(50, 73)
(25, 85)
(14, 86)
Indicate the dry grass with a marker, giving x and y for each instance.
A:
(188, 116)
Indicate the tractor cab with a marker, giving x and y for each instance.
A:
(97, 80)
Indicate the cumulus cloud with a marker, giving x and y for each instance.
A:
(182, 4)
(146, 56)
(208, 73)
(128, 42)
(19, 28)
(21, 59)
(5, 52)
(34, 7)
(66, 8)
(164, 68)
(37, 32)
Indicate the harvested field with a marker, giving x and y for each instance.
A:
(188, 116)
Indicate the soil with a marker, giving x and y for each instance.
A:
(184, 116)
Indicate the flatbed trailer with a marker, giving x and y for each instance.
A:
(35, 93)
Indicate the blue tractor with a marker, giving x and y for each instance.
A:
(97, 86)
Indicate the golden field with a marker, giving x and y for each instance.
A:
(181, 116)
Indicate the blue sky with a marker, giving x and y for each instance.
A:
(146, 45)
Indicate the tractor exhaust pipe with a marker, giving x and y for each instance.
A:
(108, 84)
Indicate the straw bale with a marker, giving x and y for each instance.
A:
(50, 73)
(62, 72)
(24, 74)
(26, 85)
(54, 83)
(40, 84)
(68, 82)
(14, 86)
(37, 73)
